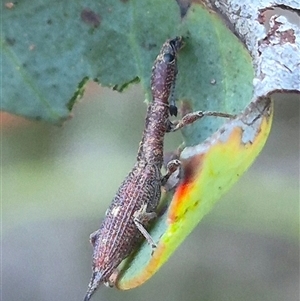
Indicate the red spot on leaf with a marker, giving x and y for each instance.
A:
(192, 168)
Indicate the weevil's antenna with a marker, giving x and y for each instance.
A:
(172, 103)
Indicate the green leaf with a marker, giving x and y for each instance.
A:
(215, 72)
(210, 169)
(50, 50)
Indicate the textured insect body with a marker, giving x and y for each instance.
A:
(136, 200)
(138, 196)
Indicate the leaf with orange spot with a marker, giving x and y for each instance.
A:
(211, 168)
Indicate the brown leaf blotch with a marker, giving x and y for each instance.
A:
(90, 17)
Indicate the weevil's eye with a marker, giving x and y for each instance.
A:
(168, 57)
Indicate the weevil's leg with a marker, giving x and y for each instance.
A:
(112, 279)
(141, 218)
(192, 117)
(172, 167)
(169, 156)
(93, 237)
(145, 233)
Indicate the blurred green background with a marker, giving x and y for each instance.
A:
(58, 181)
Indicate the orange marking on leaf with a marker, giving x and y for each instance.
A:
(191, 169)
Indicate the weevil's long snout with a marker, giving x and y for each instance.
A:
(95, 282)
(164, 71)
(170, 49)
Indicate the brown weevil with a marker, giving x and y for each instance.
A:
(136, 200)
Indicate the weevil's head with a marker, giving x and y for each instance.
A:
(170, 49)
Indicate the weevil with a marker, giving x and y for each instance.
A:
(134, 205)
